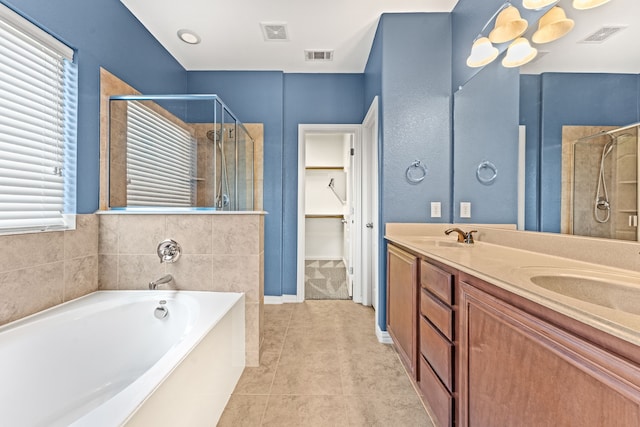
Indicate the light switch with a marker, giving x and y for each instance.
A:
(465, 209)
(436, 210)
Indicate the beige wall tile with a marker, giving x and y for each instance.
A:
(28, 250)
(192, 272)
(140, 234)
(108, 234)
(236, 234)
(107, 272)
(136, 271)
(232, 273)
(80, 276)
(192, 232)
(27, 291)
(83, 241)
(252, 330)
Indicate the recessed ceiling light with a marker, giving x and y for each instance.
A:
(188, 36)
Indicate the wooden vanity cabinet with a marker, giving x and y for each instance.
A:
(523, 364)
(402, 297)
(437, 376)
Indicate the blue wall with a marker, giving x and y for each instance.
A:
(257, 97)
(572, 99)
(310, 99)
(410, 69)
(104, 34)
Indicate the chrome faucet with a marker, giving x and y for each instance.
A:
(153, 285)
(462, 236)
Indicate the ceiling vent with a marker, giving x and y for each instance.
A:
(275, 31)
(318, 55)
(602, 34)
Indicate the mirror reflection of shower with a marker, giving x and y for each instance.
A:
(602, 204)
(221, 198)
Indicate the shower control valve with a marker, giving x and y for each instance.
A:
(169, 251)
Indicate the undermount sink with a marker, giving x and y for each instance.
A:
(607, 290)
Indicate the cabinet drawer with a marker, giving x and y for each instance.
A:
(436, 395)
(438, 313)
(438, 351)
(439, 282)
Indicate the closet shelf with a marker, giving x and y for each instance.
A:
(333, 168)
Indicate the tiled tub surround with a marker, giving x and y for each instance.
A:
(220, 252)
(40, 270)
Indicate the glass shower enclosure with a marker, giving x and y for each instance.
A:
(178, 151)
(605, 184)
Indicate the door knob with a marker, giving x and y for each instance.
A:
(369, 225)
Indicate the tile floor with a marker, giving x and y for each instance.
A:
(323, 366)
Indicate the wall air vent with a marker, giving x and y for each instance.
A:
(602, 34)
(318, 55)
(275, 31)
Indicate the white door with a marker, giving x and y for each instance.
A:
(369, 207)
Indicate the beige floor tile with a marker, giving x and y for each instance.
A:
(273, 339)
(310, 374)
(386, 411)
(258, 380)
(308, 411)
(243, 410)
(310, 339)
(370, 373)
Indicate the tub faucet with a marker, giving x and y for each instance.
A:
(462, 236)
(161, 281)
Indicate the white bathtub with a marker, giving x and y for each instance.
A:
(106, 360)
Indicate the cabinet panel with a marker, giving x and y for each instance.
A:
(437, 396)
(438, 351)
(519, 370)
(439, 282)
(437, 312)
(402, 304)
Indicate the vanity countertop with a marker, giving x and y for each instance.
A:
(513, 269)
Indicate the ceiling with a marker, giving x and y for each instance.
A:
(232, 37)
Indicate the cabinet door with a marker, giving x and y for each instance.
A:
(516, 369)
(402, 297)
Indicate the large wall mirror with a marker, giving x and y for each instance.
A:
(575, 89)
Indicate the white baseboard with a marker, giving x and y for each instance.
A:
(383, 336)
(283, 299)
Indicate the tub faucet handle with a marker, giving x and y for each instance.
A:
(169, 251)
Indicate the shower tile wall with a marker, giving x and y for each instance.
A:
(40, 270)
(220, 252)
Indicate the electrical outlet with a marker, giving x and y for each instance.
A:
(465, 209)
(436, 210)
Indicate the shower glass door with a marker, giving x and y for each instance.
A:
(605, 186)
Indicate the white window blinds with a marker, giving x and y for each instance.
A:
(160, 160)
(38, 96)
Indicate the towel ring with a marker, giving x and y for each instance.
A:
(482, 176)
(416, 172)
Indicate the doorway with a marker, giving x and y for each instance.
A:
(338, 208)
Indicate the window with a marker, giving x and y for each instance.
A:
(160, 160)
(38, 104)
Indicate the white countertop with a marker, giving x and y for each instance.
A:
(511, 269)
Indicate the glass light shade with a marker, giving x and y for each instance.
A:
(509, 25)
(537, 4)
(482, 53)
(553, 25)
(519, 53)
(588, 4)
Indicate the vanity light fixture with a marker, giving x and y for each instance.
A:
(553, 25)
(188, 36)
(519, 53)
(537, 4)
(588, 4)
(509, 25)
